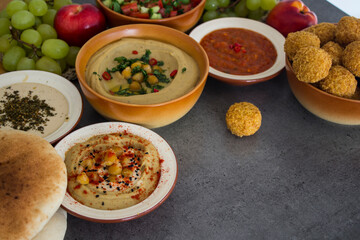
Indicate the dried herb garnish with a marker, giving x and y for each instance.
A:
(24, 113)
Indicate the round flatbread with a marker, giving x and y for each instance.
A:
(32, 184)
(55, 229)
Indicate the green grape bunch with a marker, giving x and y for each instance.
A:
(253, 9)
(28, 40)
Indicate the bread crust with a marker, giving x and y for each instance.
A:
(32, 184)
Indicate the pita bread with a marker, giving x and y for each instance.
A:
(55, 229)
(32, 184)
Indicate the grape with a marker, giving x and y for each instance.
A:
(210, 15)
(12, 57)
(253, 4)
(211, 5)
(231, 14)
(71, 57)
(62, 64)
(223, 3)
(46, 31)
(268, 4)
(241, 9)
(48, 64)
(3, 14)
(37, 21)
(256, 14)
(31, 36)
(49, 17)
(25, 63)
(38, 7)
(4, 26)
(23, 19)
(60, 3)
(15, 6)
(6, 42)
(55, 48)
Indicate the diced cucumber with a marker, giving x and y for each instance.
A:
(107, 3)
(156, 16)
(144, 9)
(155, 9)
(120, 1)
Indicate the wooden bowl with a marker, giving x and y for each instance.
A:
(324, 105)
(181, 22)
(151, 115)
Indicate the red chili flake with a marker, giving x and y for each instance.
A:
(106, 76)
(106, 137)
(244, 51)
(231, 46)
(237, 49)
(85, 192)
(237, 44)
(134, 52)
(173, 73)
(156, 90)
(111, 92)
(77, 186)
(161, 160)
(152, 61)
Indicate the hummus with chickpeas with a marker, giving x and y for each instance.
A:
(140, 71)
(112, 171)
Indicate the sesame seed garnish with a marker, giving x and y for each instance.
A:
(102, 203)
(132, 190)
(97, 196)
(104, 191)
(118, 188)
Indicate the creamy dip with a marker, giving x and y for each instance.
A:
(112, 171)
(173, 58)
(52, 97)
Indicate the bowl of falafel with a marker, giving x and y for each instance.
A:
(323, 69)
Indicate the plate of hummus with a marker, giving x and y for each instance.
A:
(39, 102)
(116, 171)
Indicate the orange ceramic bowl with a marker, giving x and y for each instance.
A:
(181, 22)
(152, 115)
(324, 105)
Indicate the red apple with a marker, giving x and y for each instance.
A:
(291, 16)
(75, 24)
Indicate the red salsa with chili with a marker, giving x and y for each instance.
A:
(239, 51)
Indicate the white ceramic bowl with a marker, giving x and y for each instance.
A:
(64, 86)
(270, 33)
(166, 184)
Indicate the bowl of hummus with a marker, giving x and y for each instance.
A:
(144, 74)
(116, 171)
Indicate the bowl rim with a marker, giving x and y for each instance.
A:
(319, 91)
(109, 216)
(205, 28)
(145, 20)
(113, 30)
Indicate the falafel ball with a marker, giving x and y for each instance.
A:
(243, 119)
(335, 51)
(311, 64)
(339, 82)
(351, 58)
(325, 31)
(296, 40)
(347, 30)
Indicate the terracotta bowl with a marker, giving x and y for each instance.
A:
(181, 22)
(151, 115)
(326, 106)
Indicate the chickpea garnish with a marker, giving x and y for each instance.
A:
(110, 158)
(126, 172)
(115, 169)
(135, 86)
(152, 79)
(126, 73)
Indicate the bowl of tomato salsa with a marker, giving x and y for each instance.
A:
(241, 51)
(179, 14)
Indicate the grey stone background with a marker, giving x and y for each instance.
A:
(298, 177)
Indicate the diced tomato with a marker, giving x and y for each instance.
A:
(173, 13)
(194, 3)
(139, 15)
(163, 13)
(128, 8)
(152, 61)
(106, 76)
(186, 7)
(160, 4)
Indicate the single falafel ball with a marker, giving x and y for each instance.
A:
(335, 51)
(243, 119)
(347, 30)
(351, 58)
(325, 31)
(296, 40)
(339, 82)
(311, 64)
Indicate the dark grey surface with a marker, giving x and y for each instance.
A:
(298, 177)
